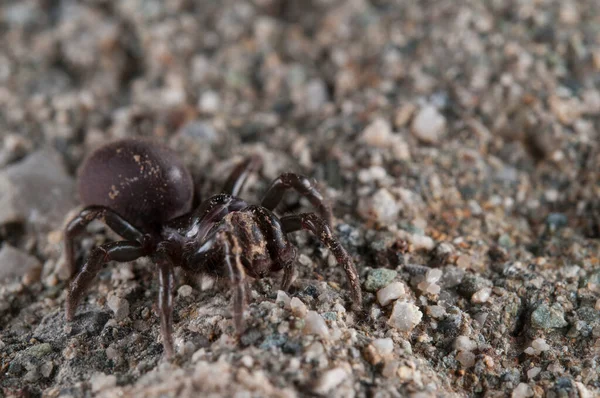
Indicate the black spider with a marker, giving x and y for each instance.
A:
(143, 192)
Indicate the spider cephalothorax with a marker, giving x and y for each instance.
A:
(144, 193)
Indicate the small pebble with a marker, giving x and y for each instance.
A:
(377, 134)
(379, 278)
(315, 324)
(283, 298)
(329, 380)
(298, 307)
(537, 347)
(100, 381)
(546, 317)
(185, 291)
(533, 372)
(391, 292)
(463, 343)
(436, 311)
(17, 264)
(119, 306)
(384, 346)
(209, 102)
(428, 125)
(466, 358)
(405, 316)
(381, 207)
(522, 391)
(482, 295)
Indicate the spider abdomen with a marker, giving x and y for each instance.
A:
(142, 181)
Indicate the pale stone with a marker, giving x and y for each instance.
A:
(466, 358)
(100, 381)
(405, 316)
(330, 379)
(315, 324)
(522, 391)
(119, 306)
(429, 125)
(533, 372)
(482, 295)
(381, 207)
(298, 307)
(384, 347)
(283, 298)
(463, 343)
(185, 291)
(391, 292)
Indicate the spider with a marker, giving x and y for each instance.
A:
(143, 192)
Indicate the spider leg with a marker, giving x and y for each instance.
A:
(315, 224)
(237, 276)
(123, 251)
(303, 186)
(78, 224)
(166, 283)
(223, 245)
(238, 177)
(288, 276)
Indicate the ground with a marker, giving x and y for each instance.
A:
(457, 141)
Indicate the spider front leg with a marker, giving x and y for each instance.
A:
(303, 186)
(77, 225)
(236, 181)
(166, 286)
(315, 224)
(123, 251)
(223, 246)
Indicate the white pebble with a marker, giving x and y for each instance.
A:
(466, 358)
(283, 298)
(597, 306)
(100, 381)
(533, 372)
(329, 380)
(433, 275)
(340, 309)
(209, 102)
(381, 207)
(119, 306)
(377, 134)
(522, 391)
(298, 308)
(436, 311)
(482, 295)
(540, 345)
(315, 324)
(391, 292)
(463, 343)
(185, 291)
(428, 125)
(405, 316)
(384, 347)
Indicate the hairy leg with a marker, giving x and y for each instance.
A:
(222, 248)
(123, 251)
(77, 225)
(315, 224)
(166, 283)
(238, 177)
(237, 276)
(303, 186)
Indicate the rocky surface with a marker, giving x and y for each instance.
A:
(457, 142)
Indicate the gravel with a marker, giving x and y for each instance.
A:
(457, 142)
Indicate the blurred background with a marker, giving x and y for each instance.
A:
(455, 134)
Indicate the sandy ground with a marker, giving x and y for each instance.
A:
(457, 141)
